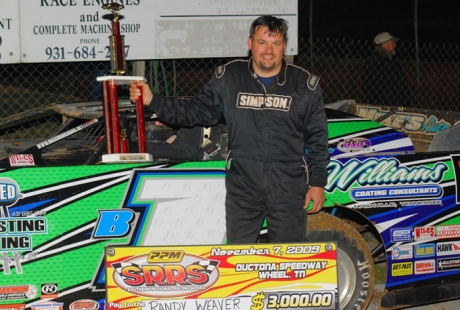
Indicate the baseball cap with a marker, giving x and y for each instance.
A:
(384, 37)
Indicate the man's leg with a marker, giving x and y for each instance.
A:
(286, 217)
(287, 225)
(243, 221)
(245, 203)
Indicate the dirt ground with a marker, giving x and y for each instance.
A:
(421, 145)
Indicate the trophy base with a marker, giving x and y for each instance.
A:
(127, 158)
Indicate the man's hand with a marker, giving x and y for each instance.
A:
(316, 195)
(135, 92)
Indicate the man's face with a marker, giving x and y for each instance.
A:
(267, 52)
(390, 47)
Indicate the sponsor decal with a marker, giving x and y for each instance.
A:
(401, 235)
(425, 266)
(17, 160)
(84, 304)
(14, 292)
(406, 121)
(446, 232)
(402, 252)
(448, 264)
(49, 290)
(382, 171)
(395, 192)
(66, 134)
(9, 193)
(13, 307)
(401, 269)
(376, 205)
(15, 232)
(421, 233)
(354, 145)
(47, 306)
(424, 250)
(16, 259)
(421, 203)
(448, 248)
(262, 102)
(192, 275)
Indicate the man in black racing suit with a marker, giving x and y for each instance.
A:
(275, 113)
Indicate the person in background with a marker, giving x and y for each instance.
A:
(382, 77)
(275, 113)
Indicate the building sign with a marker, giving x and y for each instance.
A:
(9, 32)
(79, 30)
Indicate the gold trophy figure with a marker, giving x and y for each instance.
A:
(117, 44)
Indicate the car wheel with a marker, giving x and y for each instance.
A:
(355, 262)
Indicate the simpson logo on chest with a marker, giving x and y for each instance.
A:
(261, 102)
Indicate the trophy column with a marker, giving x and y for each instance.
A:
(110, 85)
(117, 146)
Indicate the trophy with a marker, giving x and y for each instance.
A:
(117, 43)
(116, 140)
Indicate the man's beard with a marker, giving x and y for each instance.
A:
(266, 68)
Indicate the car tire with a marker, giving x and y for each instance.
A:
(355, 262)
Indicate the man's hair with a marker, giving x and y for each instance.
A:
(275, 26)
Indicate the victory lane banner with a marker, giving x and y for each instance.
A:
(222, 277)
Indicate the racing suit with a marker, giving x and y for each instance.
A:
(269, 131)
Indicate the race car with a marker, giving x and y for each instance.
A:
(61, 207)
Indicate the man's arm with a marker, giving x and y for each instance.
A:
(316, 140)
(317, 148)
(203, 109)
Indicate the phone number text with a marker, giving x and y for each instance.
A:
(79, 52)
